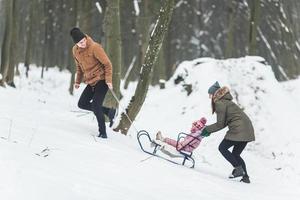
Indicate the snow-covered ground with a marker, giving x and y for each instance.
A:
(40, 114)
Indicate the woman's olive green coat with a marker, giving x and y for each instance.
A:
(231, 115)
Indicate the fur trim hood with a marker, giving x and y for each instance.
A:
(222, 93)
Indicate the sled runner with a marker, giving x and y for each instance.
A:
(153, 147)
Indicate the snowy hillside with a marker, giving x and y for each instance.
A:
(40, 115)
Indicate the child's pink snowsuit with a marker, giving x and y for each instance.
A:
(189, 143)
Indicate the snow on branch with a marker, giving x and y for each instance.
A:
(99, 7)
(130, 68)
(179, 3)
(136, 7)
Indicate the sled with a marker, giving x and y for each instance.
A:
(153, 147)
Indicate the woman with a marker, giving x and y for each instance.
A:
(240, 129)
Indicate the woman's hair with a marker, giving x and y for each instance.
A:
(213, 105)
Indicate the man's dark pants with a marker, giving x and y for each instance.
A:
(92, 99)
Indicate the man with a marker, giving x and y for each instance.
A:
(95, 69)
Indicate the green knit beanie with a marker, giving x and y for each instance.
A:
(214, 88)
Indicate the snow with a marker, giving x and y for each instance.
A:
(266, 42)
(99, 7)
(130, 68)
(136, 7)
(194, 40)
(41, 114)
(282, 72)
(179, 3)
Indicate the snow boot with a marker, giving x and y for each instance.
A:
(101, 135)
(237, 172)
(111, 115)
(245, 179)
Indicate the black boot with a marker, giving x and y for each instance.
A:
(237, 172)
(245, 179)
(101, 135)
(111, 115)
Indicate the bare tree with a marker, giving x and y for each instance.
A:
(230, 30)
(70, 62)
(152, 52)
(113, 46)
(143, 22)
(30, 36)
(13, 54)
(254, 24)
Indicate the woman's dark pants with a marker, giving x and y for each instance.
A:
(233, 157)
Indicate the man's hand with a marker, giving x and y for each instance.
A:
(110, 86)
(76, 85)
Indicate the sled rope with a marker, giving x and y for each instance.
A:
(81, 113)
(10, 127)
(122, 108)
(147, 158)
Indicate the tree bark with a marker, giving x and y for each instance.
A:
(254, 23)
(29, 33)
(159, 69)
(13, 55)
(7, 41)
(71, 66)
(230, 32)
(113, 47)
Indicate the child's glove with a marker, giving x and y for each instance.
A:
(205, 133)
(198, 125)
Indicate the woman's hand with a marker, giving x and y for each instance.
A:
(205, 133)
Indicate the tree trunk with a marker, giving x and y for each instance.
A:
(45, 40)
(71, 66)
(230, 32)
(254, 20)
(7, 41)
(29, 34)
(113, 47)
(159, 69)
(13, 55)
(289, 57)
(152, 52)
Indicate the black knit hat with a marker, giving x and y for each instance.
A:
(76, 34)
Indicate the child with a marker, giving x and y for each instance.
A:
(190, 142)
